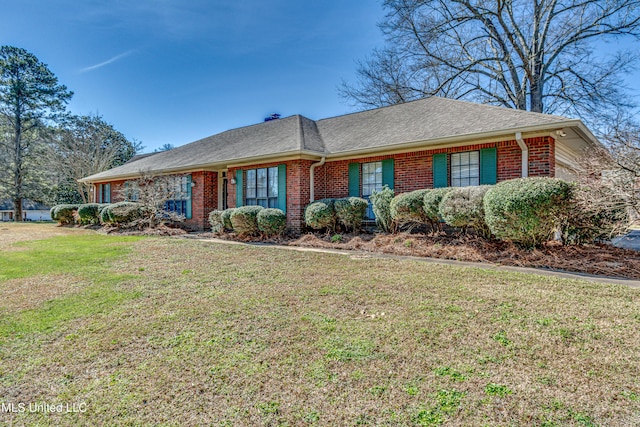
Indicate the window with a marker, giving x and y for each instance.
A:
(104, 193)
(262, 187)
(465, 169)
(371, 181)
(131, 193)
(179, 201)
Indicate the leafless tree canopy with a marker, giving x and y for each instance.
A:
(535, 55)
(85, 145)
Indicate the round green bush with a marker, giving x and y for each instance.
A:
(407, 208)
(215, 219)
(350, 211)
(64, 213)
(123, 214)
(272, 222)
(464, 207)
(321, 214)
(89, 213)
(381, 204)
(526, 211)
(226, 218)
(245, 220)
(431, 202)
(105, 213)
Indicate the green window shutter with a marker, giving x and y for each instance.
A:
(188, 214)
(440, 171)
(108, 193)
(239, 188)
(354, 179)
(388, 173)
(282, 187)
(99, 193)
(488, 166)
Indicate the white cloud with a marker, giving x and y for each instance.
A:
(107, 62)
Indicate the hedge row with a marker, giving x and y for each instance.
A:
(329, 213)
(526, 211)
(121, 214)
(249, 221)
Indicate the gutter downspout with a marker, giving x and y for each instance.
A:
(525, 154)
(312, 178)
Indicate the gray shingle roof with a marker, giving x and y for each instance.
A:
(427, 120)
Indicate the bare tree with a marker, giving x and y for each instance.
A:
(30, 96)
(535, 55)
(85, 145)
(154, 193)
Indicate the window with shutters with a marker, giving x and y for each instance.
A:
(262, 187)
(179, 201)
(465, 169)
(371, 181)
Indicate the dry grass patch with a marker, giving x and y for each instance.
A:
(232, 335)
(13, 232)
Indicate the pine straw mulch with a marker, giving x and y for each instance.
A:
(597, 259)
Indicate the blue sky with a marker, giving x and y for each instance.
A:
(174, 71)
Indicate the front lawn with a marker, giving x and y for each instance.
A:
(166, 331)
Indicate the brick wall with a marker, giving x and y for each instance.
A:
(413, 171)
(204, 199)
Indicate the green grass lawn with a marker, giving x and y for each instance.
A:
(164, 331)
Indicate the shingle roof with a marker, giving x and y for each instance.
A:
(426, 120)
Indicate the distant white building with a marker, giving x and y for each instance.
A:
(31, 211)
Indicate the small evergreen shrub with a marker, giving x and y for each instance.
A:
(463, 207)
(350, 212)
(105, 213)
(381, 201)
(63, 213)
(226, 218)
(406, 208)
(272, 222)
(245, 220)
(431, 203)
(526, 211)
(215, 219)
(321, 214)
(124, 214)
(89, 213)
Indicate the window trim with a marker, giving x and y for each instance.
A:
(461, 166)
(271, 200)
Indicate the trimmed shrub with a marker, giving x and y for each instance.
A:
(321, 214)
(104, 213)
(226, 218)
(272, 222)
(381, 201)
(431, 203)
(350, 211)
(123, 214)
(526, 211)
(245, 220)
(89, 213)
(215, 219)
(406, 208)
(463, 207)
(63, 213)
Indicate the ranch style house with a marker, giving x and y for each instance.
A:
(288, 162)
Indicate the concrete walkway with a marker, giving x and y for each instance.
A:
(363, 255)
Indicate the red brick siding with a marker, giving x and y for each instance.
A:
(204, 199)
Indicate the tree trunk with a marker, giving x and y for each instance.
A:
(535, 96)
(17, 173)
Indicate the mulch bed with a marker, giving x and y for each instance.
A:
(598, 259)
